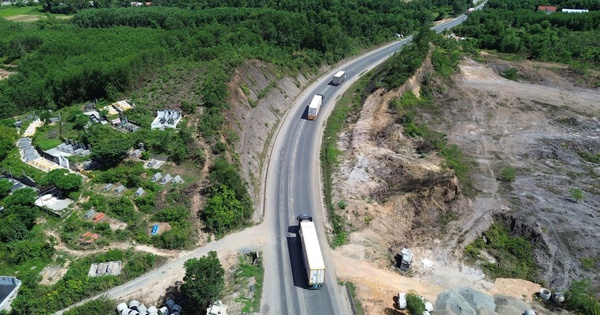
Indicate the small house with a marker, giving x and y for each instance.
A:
(546, 8)
(89, 214)
(139, 192)
(156, 177)
(107, 187)
(119, 189)
(9, 287)
(177, 180)
(166, 179)
(99, 216)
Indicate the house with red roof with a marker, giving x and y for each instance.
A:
(546, 8)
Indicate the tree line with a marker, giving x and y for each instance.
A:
(508, 27)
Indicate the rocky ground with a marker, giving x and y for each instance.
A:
(392, 197)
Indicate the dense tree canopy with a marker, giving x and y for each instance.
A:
(204, 280)
(108, 49)
(18, 216)
(515, 27)
(5, 186)
(108, 145)
(63, 180)
(223, 211)
(8, 137)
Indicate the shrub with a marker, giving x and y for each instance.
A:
(414, 303)
(576, 194)
(580, 298)
(511, 74)
(508, 175)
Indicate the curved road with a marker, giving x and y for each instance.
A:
(292, 186)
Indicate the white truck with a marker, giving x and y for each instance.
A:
(313, 259)
(314, 106)
(470, 10)
(339, 77)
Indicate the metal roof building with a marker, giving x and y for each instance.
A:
(9, 286)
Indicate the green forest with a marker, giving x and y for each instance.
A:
(515, 27)
(104, 52)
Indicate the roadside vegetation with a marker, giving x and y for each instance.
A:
(249, 270)
(358, 307)
(99, 306)
(345, 109)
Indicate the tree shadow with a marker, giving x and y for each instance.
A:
(173, 293)
(392, 311)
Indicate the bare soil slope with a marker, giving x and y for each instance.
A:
(394, 198)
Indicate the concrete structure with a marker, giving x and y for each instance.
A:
(166, 119)
(218, 308)
(139, 192)
(9, 286)
(30, 131)
(53, 204)
(105, 268)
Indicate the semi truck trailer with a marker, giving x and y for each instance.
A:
(315, 106)
(338, 78)
(311, 251)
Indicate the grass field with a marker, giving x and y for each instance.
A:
(10, 10)
(26, 14)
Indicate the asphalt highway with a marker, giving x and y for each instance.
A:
(293, 186)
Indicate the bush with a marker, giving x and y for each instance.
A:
(580, 298)
(513, 254)
(511, 74)
(508, 175)
(414, 303)
(577, 194)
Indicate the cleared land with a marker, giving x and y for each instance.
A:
(393, 197)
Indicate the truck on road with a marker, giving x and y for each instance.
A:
(313, 258)
(470, 10)
(315, 105)
(339, 77)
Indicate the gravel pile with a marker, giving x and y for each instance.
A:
(467, 301)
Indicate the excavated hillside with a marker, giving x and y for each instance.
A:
(260, 97)
(544, 126)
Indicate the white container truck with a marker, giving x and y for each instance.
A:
(339, 77)
(315, 105)
(313, 259)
